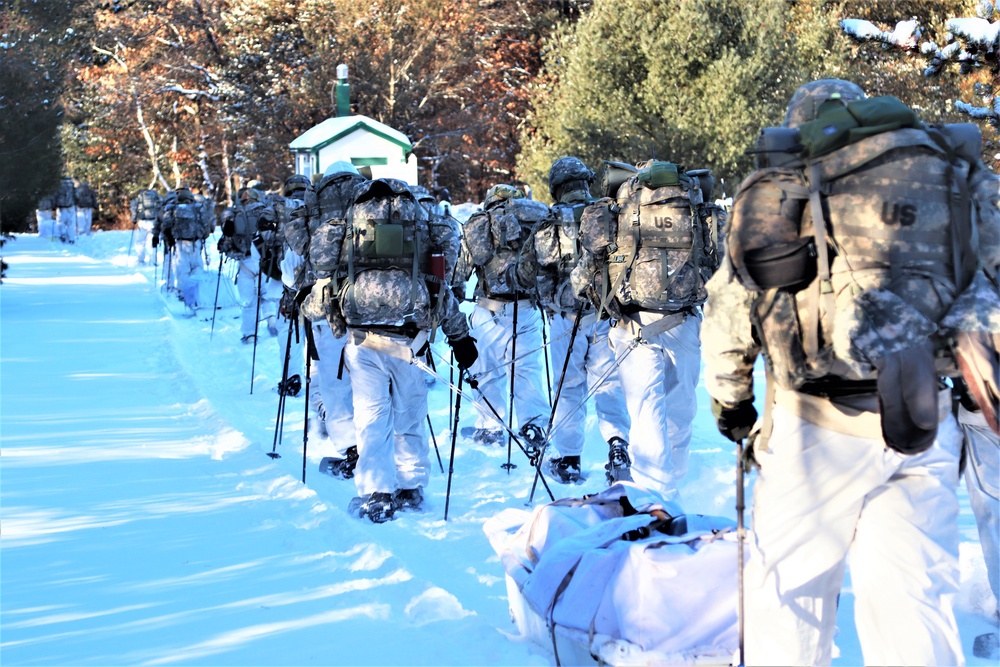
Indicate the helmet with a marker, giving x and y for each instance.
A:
(499, 193)
(805, 103)
(422, 194)
(566, 169)
(341, 166)
(184, 195)
(248, 195)
(296, 183)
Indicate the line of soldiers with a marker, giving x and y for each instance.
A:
(859, 261)
(68, 212)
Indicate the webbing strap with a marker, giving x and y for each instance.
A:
(388, 346)
(822, 256)
(664, 324)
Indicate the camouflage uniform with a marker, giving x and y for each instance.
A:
(387, 324)
(492, 322)
(591, 364)
(253, 284)
(187, 264)
(982, 478)
(655, 344)
(828, 489)
(144, 221)
(45, 216)
(65, 199)
(86, 202)
(330, 390)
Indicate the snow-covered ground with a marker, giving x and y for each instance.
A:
(143, 523)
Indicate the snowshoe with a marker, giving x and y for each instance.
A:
(290, 387)
(408, 499)
(533, 438)
(377, 507)
(248, 339)
(342, 468)
(619, 465)
(487, 437)
(566, 469)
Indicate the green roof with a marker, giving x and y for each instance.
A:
(332, 129)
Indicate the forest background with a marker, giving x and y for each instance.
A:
(126, 95)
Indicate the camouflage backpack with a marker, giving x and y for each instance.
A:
(147, 205)
(385, 258)
(186, 222)
(239, 226)
(206, 211)
(326, 215)
(857, 235)
(658, 240)
(84, 196)
(496, 237)
(66, 194)
(557, 250)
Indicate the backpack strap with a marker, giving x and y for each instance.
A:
(964, 256)
(825, 285)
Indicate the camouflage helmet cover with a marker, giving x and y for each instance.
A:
(422, 194)
(296, 182)
(500, 192)
(250, 194)
(805, 103)
(565, 169)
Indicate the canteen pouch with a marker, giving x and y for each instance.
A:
(908, 399)
(790, 264)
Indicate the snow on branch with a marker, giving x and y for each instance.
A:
(904, 36)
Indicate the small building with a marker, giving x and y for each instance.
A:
(360, 140)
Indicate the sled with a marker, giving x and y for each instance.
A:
(621, 577)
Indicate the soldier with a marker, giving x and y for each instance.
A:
(385, 306)
(86, 203)
(183, 223)
(65, 200)
(46, 217)
(509, 370)
(145, 211)
(589, 363)
(853, 342)
(649, 248)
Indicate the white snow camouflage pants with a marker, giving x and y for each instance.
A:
(591, 359)
(335, 394)
(659, 377)
(187, 265)
(143, 230)
(982, 478)
(494, 334)
(825, 498)
(246, 284)
(65, 226)
(390, 418)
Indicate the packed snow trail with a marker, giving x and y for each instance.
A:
(143, 523)
(140, 528)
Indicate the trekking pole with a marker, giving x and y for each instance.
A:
(256, 329)
(281, 395)
(305, 423)
(545, 351)
(454, 437)
(430, 426)
(156, 253)
(740, 538)
(131, 240)
(451, 381)
(475, 385)
(555, 402)
(510, 405)
(215, 304)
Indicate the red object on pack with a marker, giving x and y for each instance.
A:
(437, 270)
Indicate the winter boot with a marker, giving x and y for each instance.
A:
(487, 437)
(342, 468)
(377, 507)
(408, 499)
(291, 386)
(272, 326)
(619, 465)
(566, 469)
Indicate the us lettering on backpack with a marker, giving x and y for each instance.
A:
(658, 239)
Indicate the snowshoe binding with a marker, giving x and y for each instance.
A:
(534, 438)
(408, 499)
(248, 339)
(291, 386)
(566, 469)
(487, 437)
(342, 468)
(377, 507)
(619, 465)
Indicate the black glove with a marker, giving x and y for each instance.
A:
(465, 351)
(156, 240)
(735, 423)
(459, 293)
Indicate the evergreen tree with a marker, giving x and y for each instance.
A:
(35, 41)
(690, 82)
